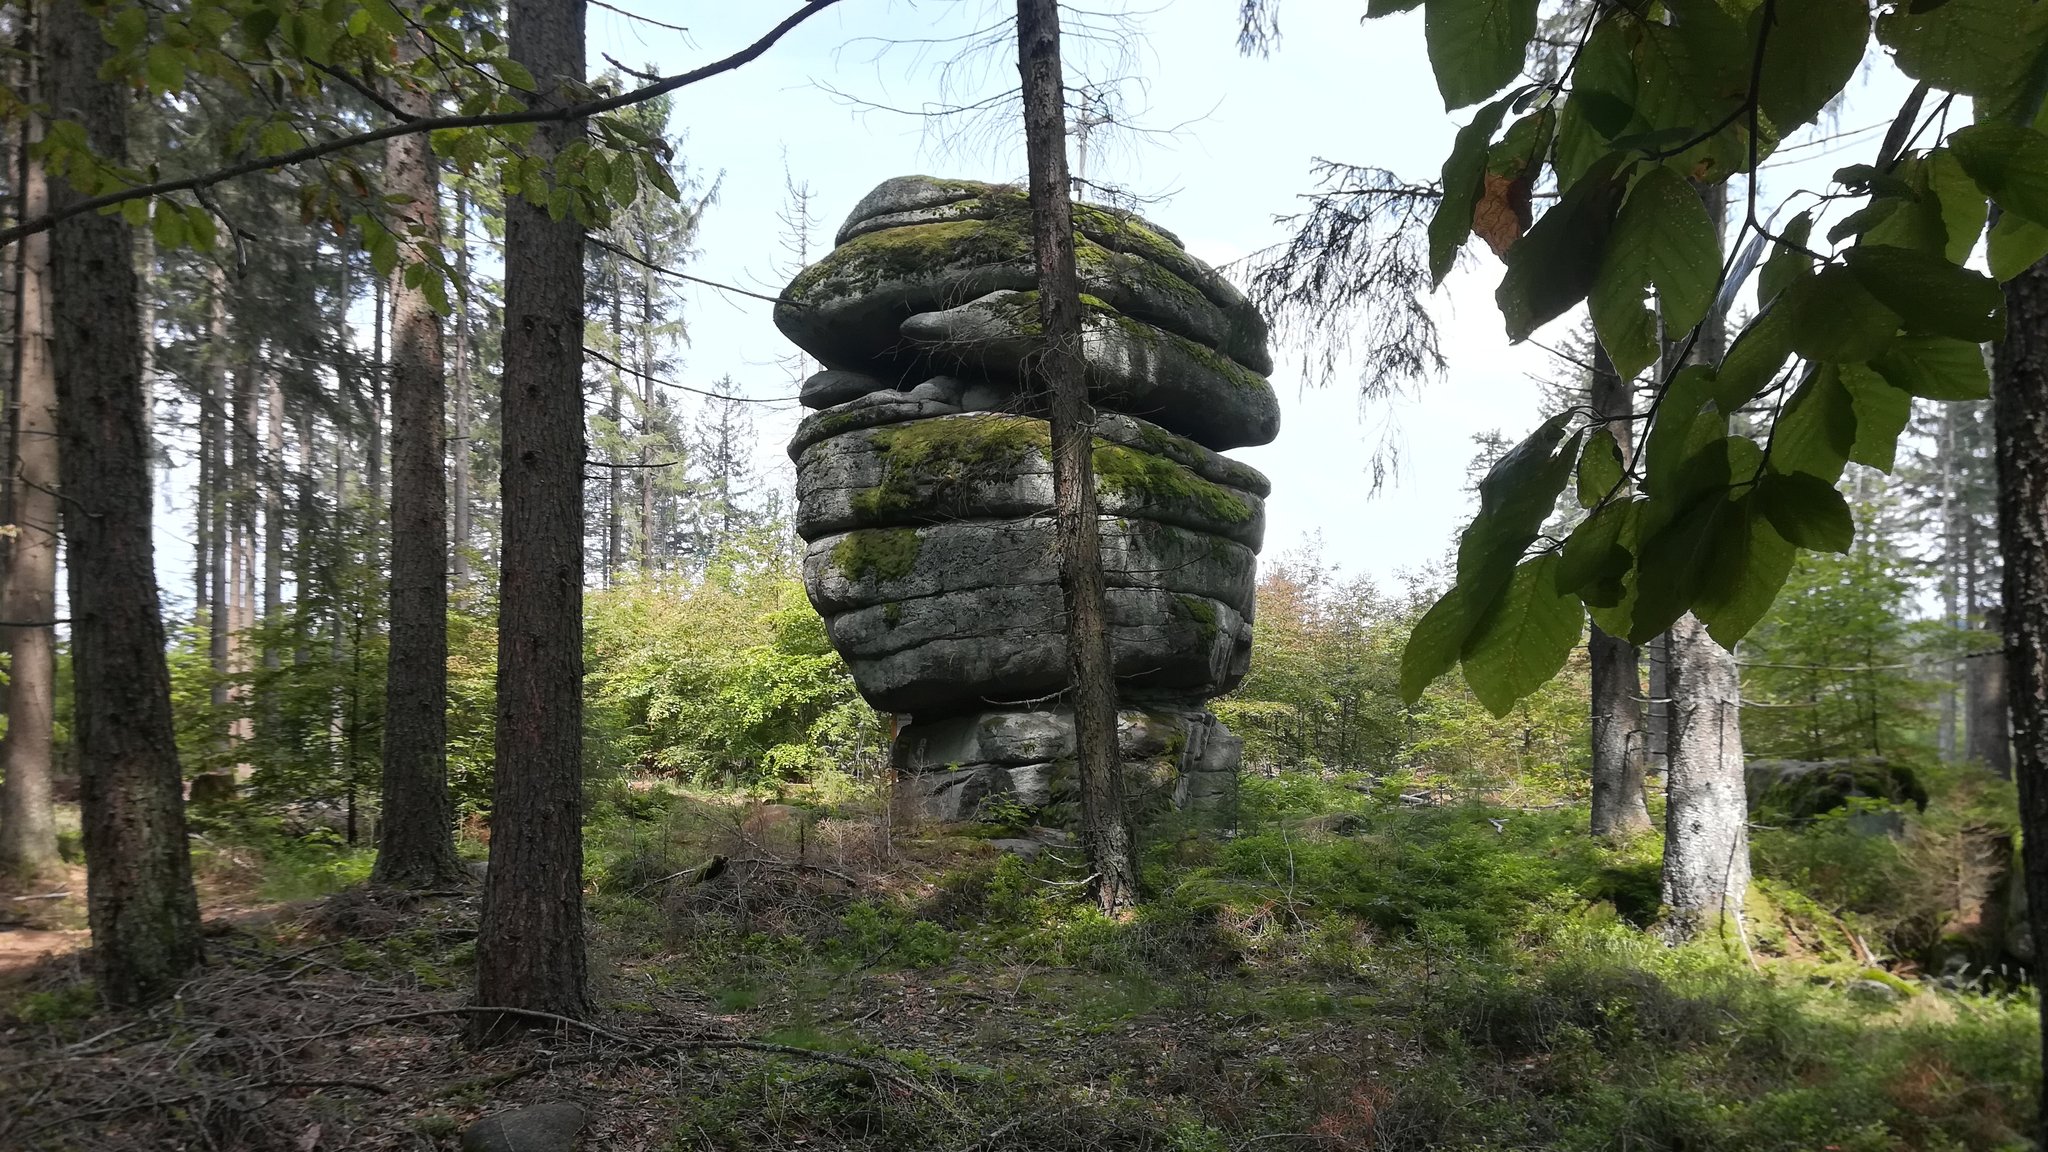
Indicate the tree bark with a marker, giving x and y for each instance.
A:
(140, 903)
(530, 945)
(1105, 827)
(1617, 686)
(416, 841)
(464, 400)
(213, 410)
(28, 823)
(1706, 823)
(1990, 727)
(615, 483)
(2020, 421)
(646, 416)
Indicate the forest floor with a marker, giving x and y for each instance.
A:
(1346, 972)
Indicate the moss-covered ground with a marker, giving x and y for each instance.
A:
(1349, 969)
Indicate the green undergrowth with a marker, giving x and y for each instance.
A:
(1350, 966)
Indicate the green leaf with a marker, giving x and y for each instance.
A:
(1679, 430)
(1930, 294)
(1374, 9)
(169, 226)
(1787, 264)
(1433, 645)
(1817, 429)
(129, 28)
(1936, 368)
(1524, 639)
(1672, 562)
(1812, 51)
(1600, 469)
(277, 138)
(435, 288)
(1476, 46)
(1754, 360)
(513, 73)
(1599, 549)
(1749, 564)
(1691, 75)
(1464, 176)
(1553, 267)
(1661, 236)
(625, 183)
(1834, 317)
(1807, 511)
(1975, 47)
(385, 16)
(383, 253)
(1963, 210)
(200, 230)
(2009, 162)
(1881, 415)
(2016, 244)
(165, 67)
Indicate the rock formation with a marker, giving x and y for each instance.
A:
(924, 491)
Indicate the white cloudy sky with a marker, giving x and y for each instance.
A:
(1245, 133)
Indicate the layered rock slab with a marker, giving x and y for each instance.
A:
(924, 491)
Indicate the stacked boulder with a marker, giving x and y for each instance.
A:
(924, 492)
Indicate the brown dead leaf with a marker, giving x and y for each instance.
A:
(1502, 214)
(309, 1139)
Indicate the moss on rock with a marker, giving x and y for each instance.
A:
(927, 456)
(883, 553)
(1129, 471)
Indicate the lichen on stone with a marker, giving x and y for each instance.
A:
(1202, 613)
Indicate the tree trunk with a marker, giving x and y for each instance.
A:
(1990, 728)
(2020, 419)
(1706, 822)
(140, 902)
(530, 945)
(643, 424)
(213, 411)
(373, 464)
(1105, 828)
(28, 823)
(464, 401)
(416, 844)
(1617, 687)
(615, 483)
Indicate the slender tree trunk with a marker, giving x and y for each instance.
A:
(416, 844)
(1946, 741)
(213, 412)
(373, 464)
(615, 483)
(1105, 827)
(246, 470)
(464, 401)
(530, 945)
(140, 902)
(645, 423)
(1617, 686)
(1706, 812)
(2020, 419)
(28, 826)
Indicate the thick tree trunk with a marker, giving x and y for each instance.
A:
(2020, 419)
(1105, 827)
(28, 825)
(373, 463)
(464, 400)
(1706, 823)
(140, 902)
(416, 841)
(1617, 686)
(530, 946)
(1990, 728)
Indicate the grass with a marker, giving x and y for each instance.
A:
(1348, 971)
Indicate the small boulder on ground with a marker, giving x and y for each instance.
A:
(549, 1127)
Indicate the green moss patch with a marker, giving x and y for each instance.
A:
(883, 553)
(1128, 471)
(1202, 612)
(926, 457)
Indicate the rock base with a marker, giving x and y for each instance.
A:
(978, 765)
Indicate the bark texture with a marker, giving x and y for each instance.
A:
(1990, 723)
(416, 837)
(1105, 826)
(28, 825)
(2020, 421)
(1617, 686)
(144, 915)
(530, 948)
(1706, 822)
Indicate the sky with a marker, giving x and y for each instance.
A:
(1220, 146)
